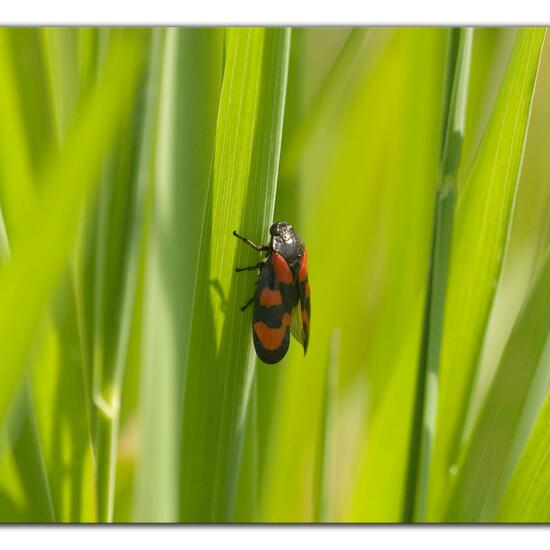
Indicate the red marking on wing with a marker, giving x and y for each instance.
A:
(282, 269)
(302, 276)
(307, 290)
(270, 298)
(272, 338)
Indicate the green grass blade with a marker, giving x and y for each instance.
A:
(287, 207)
(189, 93)
(247, 493)
(505, 419)
(147, 117)
(29, 461)
(61, 46)
(36, 265)
(4, 243)
(479, 239)
(425, 413)
(375, 187)
(323, 473)
(242, 197)
(117, 251)
(288, 187)
(40, 451)
(527, 498)
(328, 94)
(63, 412)
(130, 387)
(15, 156)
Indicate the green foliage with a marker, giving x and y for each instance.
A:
(459, 48)
(526, 497)
(130, 388)
(479, 240)
(509, 414)
(220, 365)
(184, 121)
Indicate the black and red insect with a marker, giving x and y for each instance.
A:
(282, 300)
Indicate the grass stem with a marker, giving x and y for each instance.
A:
(323, 464)
(425, 408)
(107, 392)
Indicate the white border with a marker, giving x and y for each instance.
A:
(275, 538)
(279, 12)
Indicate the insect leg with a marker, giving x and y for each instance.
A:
(248, 303)
(259, 248)
(250, 267)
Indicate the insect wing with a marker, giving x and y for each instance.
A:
(272, 315)
(296, 325)
(302, 314)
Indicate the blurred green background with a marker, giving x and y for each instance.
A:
(130, 389)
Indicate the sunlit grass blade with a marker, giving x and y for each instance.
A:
(138, 173)
(425, 411)
(480, 235)
(328, 94)
(20, 438)
(61, 375)
(507, 415)
(15, 156)
(29, 461)
(63, 412)
(53, 488)
(59, 390)
(527, 498)
(30, 67)
(190, 77)
(242, 197)
(361, 202)
(117, 246)
(61, 47)
(323, 476)
(489, 60)
(249, 480)
(36, 266)
(287, 207)
(4, 243)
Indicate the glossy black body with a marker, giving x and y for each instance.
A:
(288, 244)
(290, 254)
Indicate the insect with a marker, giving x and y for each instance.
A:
(282, 298)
